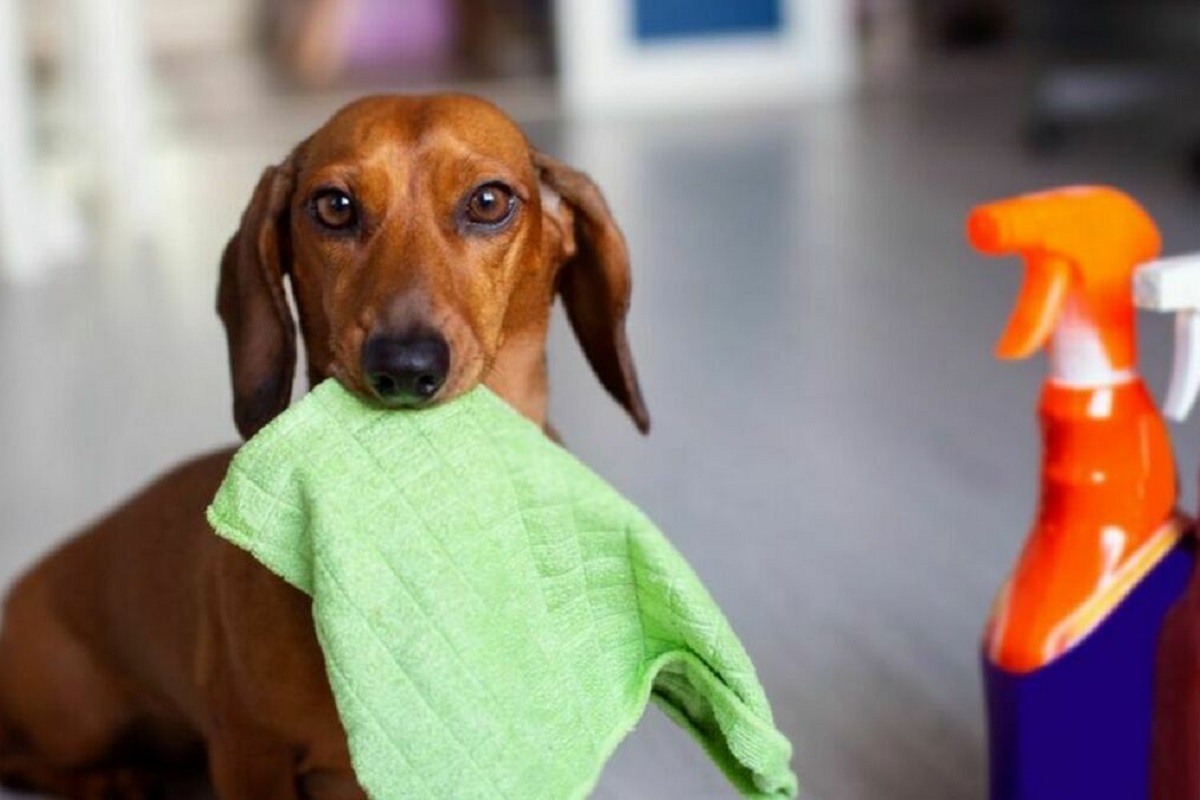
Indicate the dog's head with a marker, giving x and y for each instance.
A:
(424, 240)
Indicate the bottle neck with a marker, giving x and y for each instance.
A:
(1078, 356)
(1106, 461)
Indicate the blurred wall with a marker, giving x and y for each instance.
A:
(172, 26)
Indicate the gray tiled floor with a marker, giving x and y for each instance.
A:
(834, 450)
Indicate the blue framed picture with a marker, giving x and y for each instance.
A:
(658, 20)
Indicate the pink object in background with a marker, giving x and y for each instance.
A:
(385, 32)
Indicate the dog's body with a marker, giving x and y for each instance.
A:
(422, 263)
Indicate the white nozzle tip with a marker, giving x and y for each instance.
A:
(1185, 371)
(1168, 284)
(1173, 284)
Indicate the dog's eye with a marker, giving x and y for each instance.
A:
(334, 209)
(490, 205)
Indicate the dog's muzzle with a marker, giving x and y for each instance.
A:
(406, 370)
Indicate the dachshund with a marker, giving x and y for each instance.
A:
(424, 241)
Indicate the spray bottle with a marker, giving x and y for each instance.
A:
(1069, 646)
(1173, 285)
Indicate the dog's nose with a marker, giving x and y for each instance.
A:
(406, 370)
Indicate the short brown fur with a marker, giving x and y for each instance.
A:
(147, 641)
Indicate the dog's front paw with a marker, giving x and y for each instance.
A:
(119, 784)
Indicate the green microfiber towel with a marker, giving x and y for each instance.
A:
(493, 615)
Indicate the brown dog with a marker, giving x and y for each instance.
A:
(423, 260)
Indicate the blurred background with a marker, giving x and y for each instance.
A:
(833, 448)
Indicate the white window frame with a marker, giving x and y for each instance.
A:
(604, 68)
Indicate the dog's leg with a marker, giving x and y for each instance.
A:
(273, 730)
(25, 773)
(252, 767)
(245, 760)
(327, 785)
(119, 782)
(248, 763)
(325, 770)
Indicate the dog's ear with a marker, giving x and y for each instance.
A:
(594, 282)
(253, 306)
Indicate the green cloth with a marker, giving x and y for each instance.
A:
(493, 615)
